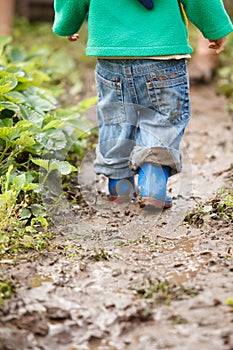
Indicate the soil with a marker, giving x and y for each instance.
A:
(121, 277)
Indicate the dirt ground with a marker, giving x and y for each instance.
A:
(125, 278)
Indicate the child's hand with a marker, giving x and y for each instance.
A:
(218, 45)
(73, 37)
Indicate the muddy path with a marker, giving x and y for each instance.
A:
(120, 277)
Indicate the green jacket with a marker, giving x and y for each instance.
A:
(126, 28)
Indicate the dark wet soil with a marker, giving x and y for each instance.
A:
(122, 277)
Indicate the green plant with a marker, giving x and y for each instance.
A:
(162, 292)
(100, 255)
(35, 140)
(66, 80)
(218, 208)
(5, 291)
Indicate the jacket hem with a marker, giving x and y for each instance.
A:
(137, 51)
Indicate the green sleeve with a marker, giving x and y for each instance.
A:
(209, 16)
(69, 16)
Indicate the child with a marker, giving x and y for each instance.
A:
(142, 83)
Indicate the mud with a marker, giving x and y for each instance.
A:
(122, 277)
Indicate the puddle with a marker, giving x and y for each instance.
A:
(187, 269)
(38, 280)
(187, 260)
(178, 262)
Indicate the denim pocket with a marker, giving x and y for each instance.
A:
(110, 100)
(169, 96)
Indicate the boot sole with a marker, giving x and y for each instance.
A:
(120, 200)
(156, 203)
(146, 200)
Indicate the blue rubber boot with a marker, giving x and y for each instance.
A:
(122, 190)
(152, 184)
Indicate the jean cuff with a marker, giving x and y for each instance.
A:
(157, 156)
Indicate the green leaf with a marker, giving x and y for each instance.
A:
(22, 77)
(16, 70)
(49, 103)
(40, 104)
(52, 140)
(25, 141)
(15, 96)
(40, 219)
(19, 182)
(63, 167)
(39, 77)
(7, 122)
(4, 40)
(43, 163)
(8, 173)
(6, 133)
(22, 126)
(38, 210)
(7, 82)
(27, 241)
(10, 133)
(9, 105)
(29, 187)
(16, 55)
(55, 123)
(28, 113)
(5, 290)
(25, 214)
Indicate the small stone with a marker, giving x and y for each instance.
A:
(116, 272)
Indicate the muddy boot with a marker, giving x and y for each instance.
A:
(152, 184)
(121, 191)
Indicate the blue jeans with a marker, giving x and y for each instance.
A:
(143, 109)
